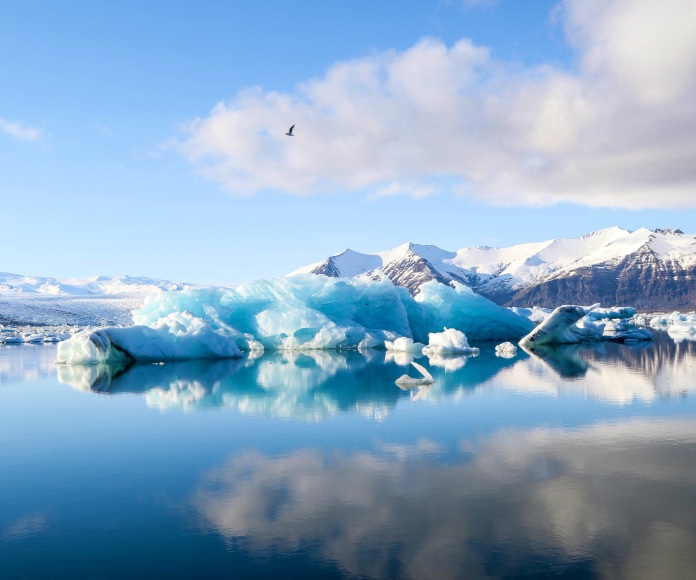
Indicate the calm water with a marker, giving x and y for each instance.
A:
(579, 464)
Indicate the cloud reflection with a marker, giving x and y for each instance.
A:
(609, 500)
(25, 526)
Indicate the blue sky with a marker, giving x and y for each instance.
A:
(146, 138)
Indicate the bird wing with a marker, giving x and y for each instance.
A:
(290, 130)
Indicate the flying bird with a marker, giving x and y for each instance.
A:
(289, 133)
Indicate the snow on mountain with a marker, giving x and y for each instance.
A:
(96, 285)
(506, 274)
(527, 263)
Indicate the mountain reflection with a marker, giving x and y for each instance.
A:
(612, 501)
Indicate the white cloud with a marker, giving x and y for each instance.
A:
(620, 132)
(19, 130)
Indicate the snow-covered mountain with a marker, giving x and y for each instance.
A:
(94, 286)
(645, 268)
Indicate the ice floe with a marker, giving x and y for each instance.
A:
(406, 382)
(570, 324)
(35, 334)
(450, 341)
(404, 345)
(506, 350)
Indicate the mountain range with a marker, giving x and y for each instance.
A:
(648, 269)
(93, 286)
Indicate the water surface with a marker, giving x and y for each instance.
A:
(578, 463)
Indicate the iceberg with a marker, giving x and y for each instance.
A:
(303, 312)
(571, 324)
(177, 336)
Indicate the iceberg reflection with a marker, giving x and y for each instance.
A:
(610, 372)
(311, 385)
(604, 501)
(315, 385)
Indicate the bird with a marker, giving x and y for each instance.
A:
(289, 133)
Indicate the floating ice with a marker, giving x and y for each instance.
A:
(177, 336)
(302, 312)
(32, 334)
(572, 324)
(406, 382)
(451, 341)
(680, 325)
(506, 350)
(404, 345)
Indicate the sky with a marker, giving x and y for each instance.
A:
(148, 138)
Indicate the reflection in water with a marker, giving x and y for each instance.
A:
(24, 526)
(610, 372)
(315, 385)
(14, 368)
(614, 501)
(310, 385)
(565, 359)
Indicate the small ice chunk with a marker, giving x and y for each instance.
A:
(506, 350)
(404, 344)
(404, 381)
(450, 341)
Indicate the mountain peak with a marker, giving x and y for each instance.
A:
(596, 261)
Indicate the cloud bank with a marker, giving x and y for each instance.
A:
(620, 131)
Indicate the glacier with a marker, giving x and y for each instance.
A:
(303, 312)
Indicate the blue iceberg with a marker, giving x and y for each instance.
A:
(303, 312)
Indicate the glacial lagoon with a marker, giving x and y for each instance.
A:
(576, 462)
